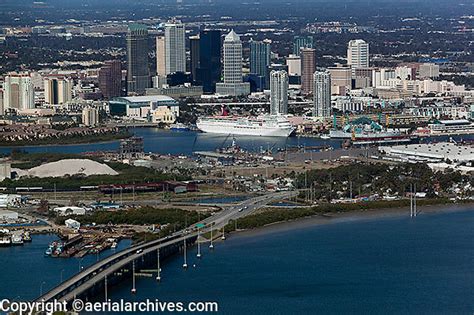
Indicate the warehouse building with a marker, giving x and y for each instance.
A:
(432, 153)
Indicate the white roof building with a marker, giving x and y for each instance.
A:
(432, 152)
(69, 210)
(72, 224)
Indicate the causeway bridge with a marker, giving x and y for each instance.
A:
(116, 267)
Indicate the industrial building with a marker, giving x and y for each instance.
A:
(144, 107)
(433, 153)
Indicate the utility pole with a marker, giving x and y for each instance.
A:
(414, 201)
(105, 285)
(158, 268)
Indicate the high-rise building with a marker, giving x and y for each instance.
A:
(160, 56)
(232, 58)
(358, 54)
(194, 54)
(428, 71)
(175, 47)
(308, 67)
(233, 84)
(300, 42)
(90, 116)
(341, 79)
(209, 71)
(57, 91)
(322, 94)
(278, 93)
(259, 57)
(138, 76)
(110, 79)
(18, 92)
(294, 65)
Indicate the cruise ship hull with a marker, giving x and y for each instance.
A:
(238, 130)
(263, 126)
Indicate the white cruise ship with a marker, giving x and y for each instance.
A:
(264, 125)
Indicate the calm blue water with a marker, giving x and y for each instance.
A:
(377, 266)
(24, 268)
(170, 142)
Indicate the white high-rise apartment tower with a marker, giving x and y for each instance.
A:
(322, 94)
(233, 84)
(232, 58)
(18, 92)
(358, 54)
(175, 48)
(278, 93)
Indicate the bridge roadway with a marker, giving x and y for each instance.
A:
(87, 278)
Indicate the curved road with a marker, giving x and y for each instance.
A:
(87, 278)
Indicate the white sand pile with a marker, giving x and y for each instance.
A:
(71, 167)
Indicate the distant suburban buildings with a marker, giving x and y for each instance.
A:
(233, 84)
(278, 93)
(138, 78)
(322, 94)
(358, 54)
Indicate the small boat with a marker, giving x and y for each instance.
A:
(325, 136)
(114, 245)
(16, 240)
(179, 127)
(5, 241)
(26, 237)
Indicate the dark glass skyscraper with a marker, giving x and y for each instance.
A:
(110, 79)
(138, 77)
(209, 71)
(194, 50)
(300, 42)
(259, 57)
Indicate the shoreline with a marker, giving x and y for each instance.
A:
(61, 144)
(352, 216)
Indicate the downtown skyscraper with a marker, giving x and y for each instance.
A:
(175, 47)
(138, 76)
(308, 67)
(209, 69)
(233, 84)
(358, 54)
(110, 79)
(278, 93)
(18, 92)
(322, 94)
(194, 42)
(300, 42)
(259, 57)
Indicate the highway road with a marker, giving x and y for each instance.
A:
(86, 279)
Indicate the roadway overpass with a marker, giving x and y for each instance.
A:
(118, 263)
